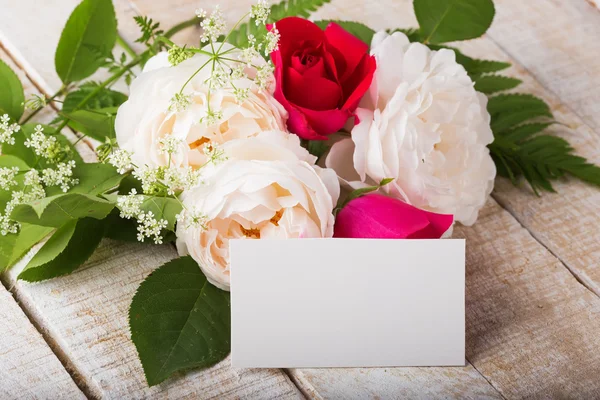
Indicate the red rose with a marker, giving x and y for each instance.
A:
(321, 76)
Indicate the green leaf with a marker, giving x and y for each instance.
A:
(317, 147)
(26, 154)
(510, 110)
(96, 178)
(68, 248)
(88, 37)
(357, 29)
(165, 208)
(290, 8)
(12, 96)
(444, 21)
(98, 124)
(474, 67)
(13, 247)
(489, 84)
(105, 98)
(525, 131)
(178, 321)
(55, 211)
(541, 159)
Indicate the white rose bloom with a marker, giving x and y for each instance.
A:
(424, 125)
(145, 117)
(268, 188)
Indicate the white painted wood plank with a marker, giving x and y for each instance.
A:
(558, 41)
(85, 316)
(28, 367)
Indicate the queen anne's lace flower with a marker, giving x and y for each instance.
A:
(62, 176)
(43, 145)
(121, 160)
(7, 177)
(7, 130)
(424, 125)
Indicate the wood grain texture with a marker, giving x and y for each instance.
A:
(532, 329)
(84, 316)
(558, 41)
(28, 368)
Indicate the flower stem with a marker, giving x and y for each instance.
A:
(195, 21)
(128, 49)
(55, 95)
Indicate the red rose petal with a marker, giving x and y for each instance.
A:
(294, 32)
(314, 92)
(364, 75)
(349, 46)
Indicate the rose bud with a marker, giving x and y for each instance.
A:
(320, 76)
(375, 216)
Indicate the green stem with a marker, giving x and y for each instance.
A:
(48, 101)
(185, 24)
(128, 49)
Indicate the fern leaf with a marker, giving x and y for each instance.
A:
(489, 84)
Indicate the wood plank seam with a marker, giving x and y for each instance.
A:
(55, 348)
(576, 274)
(486, 379)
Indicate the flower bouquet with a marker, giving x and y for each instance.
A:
(277, 128)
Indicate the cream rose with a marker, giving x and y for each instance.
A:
(268, 188)
(424, 125)
(145, 117)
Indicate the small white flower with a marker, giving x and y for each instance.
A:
(264, 76)
(7, 130)
(130, 204)
(215, 153)
(62, 176)
(192, 218)
(201, 13)
(213, 25)
(148, 176)
(260, 12)
(241, 94)
(170, 144)
(212, 117)
(272, 40)
(33, 190)
(219, 78)
(180, 102)
(179, 179)
(7, 177)
(121, 160)
(43, 145)
(36, 102)
(150, 227)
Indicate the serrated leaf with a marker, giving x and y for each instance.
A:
(357, 29)
(444, 21)
(12, 96)
(524, 131)
(88, 37)
(54, 211)
(97, 124)
(489, 84)
(178, 320)
(27, 154)
(105, 98)
(66, 250)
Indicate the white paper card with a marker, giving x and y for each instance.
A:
(347, 303)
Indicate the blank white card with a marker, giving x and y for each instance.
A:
(347, 303)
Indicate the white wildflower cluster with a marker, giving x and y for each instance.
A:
(43, 145)
(7, 130)
(212, 117)
(213, 25)
(62, 176)
(7, 177)
(180, 102)
(32, 190)
(148, 226)
(215, 154)
(260, 12)
(121, 160)
(192, 218)
(178, 179)
(149, 177)
(170, 144)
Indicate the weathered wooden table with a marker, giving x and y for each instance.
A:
(533, 264)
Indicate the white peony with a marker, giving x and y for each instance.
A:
(145, 117)
(268, 188)
(424, 125)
